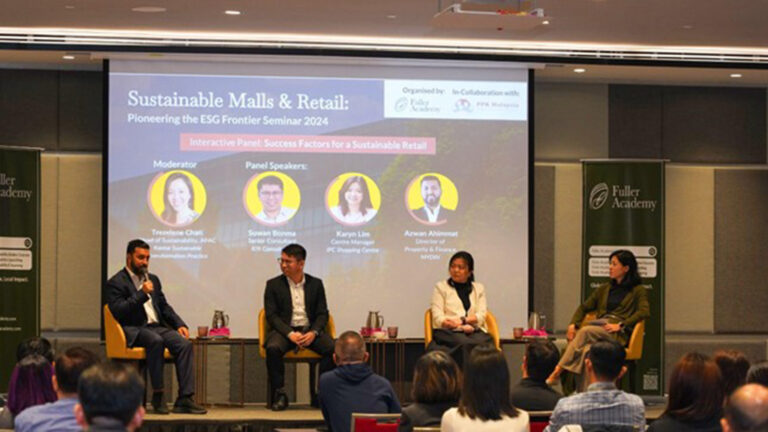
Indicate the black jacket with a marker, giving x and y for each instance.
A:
(127, 305)
(278, 306)
(423, 415)
(531, 395)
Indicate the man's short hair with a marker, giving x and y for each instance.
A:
(296, 250)
(541, 358)
(134, 244)
(269, 180)
(350, 347)
(431, 178)
(746, 413)
(70, 365)
(607, 357)
(112, 390)
(35, 345)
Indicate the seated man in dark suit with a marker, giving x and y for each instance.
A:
(532, 392)
(295, 307)
(135, 297)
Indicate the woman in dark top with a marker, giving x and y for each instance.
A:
(619, 304)
(695, 397)
(436, 387)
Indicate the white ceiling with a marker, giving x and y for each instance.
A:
(704, 25)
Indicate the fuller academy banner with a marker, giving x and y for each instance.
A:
(623, 208)
(19, 252)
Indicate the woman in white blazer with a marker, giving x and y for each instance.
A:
(458, 310)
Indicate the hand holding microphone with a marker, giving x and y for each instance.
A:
(147, 286)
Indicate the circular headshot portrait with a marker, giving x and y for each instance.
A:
(177, 198)
(431, 198)
(352, 199)
(271, 198)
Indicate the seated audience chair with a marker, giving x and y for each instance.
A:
(117, 346)
(490, 322)
(375, 422)
(304, 355)
(427, 429)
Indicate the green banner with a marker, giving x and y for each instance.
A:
(623, 208)
(19, 252)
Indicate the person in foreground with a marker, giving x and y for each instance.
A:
(28, 394)
(458, 309)
(353, 387)
(532, 392)
(734, 367)
(695, 397)
(746, 410)
(485, 405)
(602, 404)
(758, 374)
(436, 387)
(296, 310)
(110, 397)
(59, 416)
(135, 297)
(618, 304)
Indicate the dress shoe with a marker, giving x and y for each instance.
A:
(185, 405)
(158, 406)
(279, 401)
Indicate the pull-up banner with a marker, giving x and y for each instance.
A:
(19, 252)
(623, 208)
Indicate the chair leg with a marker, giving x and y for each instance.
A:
(313, 371)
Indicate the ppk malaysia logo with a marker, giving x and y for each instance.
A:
(598, 196)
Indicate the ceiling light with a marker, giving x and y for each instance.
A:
(69, 7)
(68, 57)
(545, 22)
(232, 12)
(735, 75)
(392, 16)
(687, 27)
(579, 70)
(149, 9)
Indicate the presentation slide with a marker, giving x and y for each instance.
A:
(381, 168)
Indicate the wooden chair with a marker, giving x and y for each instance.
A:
(117, 346)
(304, 355)
(490, 322)
(375, 422)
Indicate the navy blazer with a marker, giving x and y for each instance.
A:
(127, 305)
(278, 306)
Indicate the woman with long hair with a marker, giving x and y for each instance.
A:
(619, 304)
(355, 207)
(458, 310)
(436, 387)
(485, 405)
(179, 199)
(695, 397)
(31, 384)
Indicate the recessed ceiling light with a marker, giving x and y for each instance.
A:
(149, 9)
(232, 12)
(392, 16)
(68, 57)
(735, 75)
(69, 7)
(579, 70)
(687, 27)
(545, 22)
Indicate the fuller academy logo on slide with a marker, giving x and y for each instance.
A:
(598, 196)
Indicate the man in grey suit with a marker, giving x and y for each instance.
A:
(135, 297)
(295, 307)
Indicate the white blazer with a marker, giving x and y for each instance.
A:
(447, 304)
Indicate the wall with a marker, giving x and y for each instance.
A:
(715, 243)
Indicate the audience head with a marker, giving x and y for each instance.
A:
(436, 378)
(110, 392)
(733, 366)
(627, 259)
(31, 384)
(69, 366)
(758, 373)
(349, 349)
(540, 360)
(485, 394)
(695, 389)
(605, 361)
(35, 345)
(746, 410)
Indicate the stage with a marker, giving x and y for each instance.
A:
(257, 418)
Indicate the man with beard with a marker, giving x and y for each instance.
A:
(135, 297)
(431, 192)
